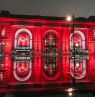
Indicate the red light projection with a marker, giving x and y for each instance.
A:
(22, 46)
(23, 40)
(22, 69)
(77, 43)
(41, 54)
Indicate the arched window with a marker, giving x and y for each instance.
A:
(77, 48)
(50, 55)
(22, 59)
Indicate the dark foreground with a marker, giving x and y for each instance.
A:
(54, 94)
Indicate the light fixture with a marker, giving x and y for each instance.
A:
(70, 93)
(77, 44)
(68, 18)
(77, 64)
(70, 90)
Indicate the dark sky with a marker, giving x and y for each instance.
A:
(83, 8)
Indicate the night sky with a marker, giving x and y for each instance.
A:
(80, 8)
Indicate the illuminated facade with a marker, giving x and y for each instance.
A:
(38, 51)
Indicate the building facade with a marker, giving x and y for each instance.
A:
(40, 53)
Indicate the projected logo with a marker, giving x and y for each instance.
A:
(22, 54)
(78, 55)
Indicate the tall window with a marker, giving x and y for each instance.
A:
(78, 55)
(50, 54)
(22, 54)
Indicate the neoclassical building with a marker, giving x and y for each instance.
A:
(42, 52)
